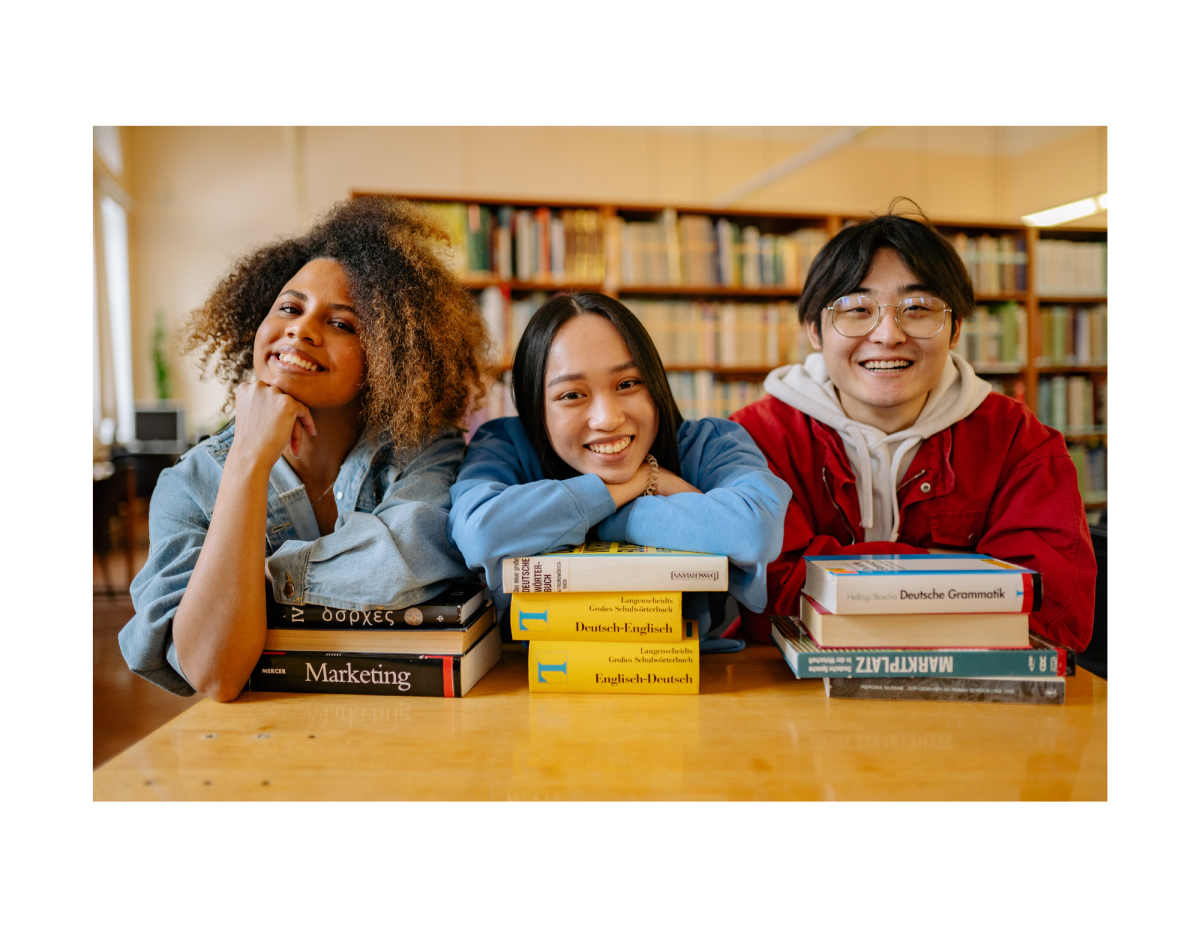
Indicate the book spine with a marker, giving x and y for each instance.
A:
(918, 593)
(917, 689)
(326, 617)
(617, 667)
(616, 573)
(868, 664)
(357, 674)
(597, 616)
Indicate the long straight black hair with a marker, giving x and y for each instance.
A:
(529, 376)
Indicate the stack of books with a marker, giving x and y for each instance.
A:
(933, 627)
(441, 647)
(608, 617)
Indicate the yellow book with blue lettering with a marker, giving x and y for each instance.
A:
(597, 616)
(667, 668)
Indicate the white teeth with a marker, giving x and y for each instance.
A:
(887, 365)
(613, 448)
(297, 361)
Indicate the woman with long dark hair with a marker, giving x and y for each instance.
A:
(599, 450)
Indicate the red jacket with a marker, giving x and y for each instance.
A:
(999, 482)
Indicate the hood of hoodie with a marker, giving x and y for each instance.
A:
(878, 459)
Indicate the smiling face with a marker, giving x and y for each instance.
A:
(883, 378)
(600, 416)
(308, 345)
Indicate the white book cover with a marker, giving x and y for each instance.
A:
(609, 566)
(901, 584)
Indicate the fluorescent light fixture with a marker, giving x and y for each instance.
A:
(1060, 214)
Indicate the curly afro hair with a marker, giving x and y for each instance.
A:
(426, 346)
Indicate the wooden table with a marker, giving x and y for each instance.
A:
(754, 733)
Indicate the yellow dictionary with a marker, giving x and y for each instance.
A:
(668, 668)
(597, 616)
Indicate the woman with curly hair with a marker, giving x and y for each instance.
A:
(350, 353)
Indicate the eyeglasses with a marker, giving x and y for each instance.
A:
(917, 316)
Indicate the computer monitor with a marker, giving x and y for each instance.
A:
(158, 430)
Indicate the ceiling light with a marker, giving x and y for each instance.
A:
(1060, 214)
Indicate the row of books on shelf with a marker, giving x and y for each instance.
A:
(1074, 336)
(996, 263)
(995, 336)
(541, 245)
(1073, 405)
(930, 627)
(723, 334)
(686, 333)
(696, 251)
(1072, 268)
(580, 247)
(699, 394)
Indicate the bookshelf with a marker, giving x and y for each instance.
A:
(716, 288)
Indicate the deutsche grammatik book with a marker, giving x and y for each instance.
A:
(609, 566)
(454, 606)
(915, 583)
(448, 639)
(978, 689)
(444, 675)
(669, 667)
(597, 616)
(946, 629)
(1043, 660)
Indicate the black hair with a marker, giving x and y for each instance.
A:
(529, 376)
(845, 261)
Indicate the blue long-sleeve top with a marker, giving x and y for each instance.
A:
(503, 506)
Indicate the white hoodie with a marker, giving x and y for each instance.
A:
(878, 459)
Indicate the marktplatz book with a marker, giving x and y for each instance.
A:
(911, 583)
(608, 566)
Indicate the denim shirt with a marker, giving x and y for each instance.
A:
(505, 507)
(388, 548)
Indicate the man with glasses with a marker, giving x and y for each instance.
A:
(892, 444)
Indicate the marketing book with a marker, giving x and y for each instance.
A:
(454, 606)
(671, 667)
(930, 629)
(920, 583)
(609, 566)
(925, 689)
(448, 639)
(444, 675)
(597, 616)
(1042, 659)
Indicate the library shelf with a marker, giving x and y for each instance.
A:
(995, 253)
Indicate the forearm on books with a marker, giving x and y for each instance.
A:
(490, 521)
(220, 625)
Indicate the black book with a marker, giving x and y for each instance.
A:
(430, 639)
(447, 676)
(1010, 689)
(454, 606)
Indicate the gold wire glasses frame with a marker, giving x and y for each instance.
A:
(918, 316)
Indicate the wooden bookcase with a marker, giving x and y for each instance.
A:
(1028, 373)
